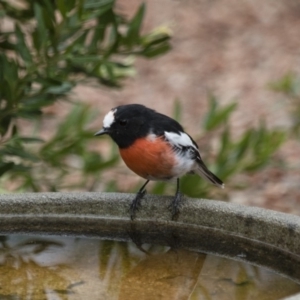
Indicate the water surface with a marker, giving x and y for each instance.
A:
(34, 267)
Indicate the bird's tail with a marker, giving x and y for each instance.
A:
(208, 175)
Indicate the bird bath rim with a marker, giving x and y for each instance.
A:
(259, 236)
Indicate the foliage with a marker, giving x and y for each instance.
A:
(66, 157)
(55, 44)
(289, 86)
(51, 47)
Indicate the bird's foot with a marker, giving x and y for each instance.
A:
(136, 203)
(175, 205)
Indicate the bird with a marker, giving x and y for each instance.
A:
(156, 148)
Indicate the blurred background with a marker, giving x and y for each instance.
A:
(227, 70)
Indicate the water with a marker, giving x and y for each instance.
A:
(34, 267)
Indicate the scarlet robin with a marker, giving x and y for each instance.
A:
(155, 147)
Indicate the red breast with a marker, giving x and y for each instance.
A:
(150, 158)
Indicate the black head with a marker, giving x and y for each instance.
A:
(126, 123)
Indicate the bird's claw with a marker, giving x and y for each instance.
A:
(136, 204)
(175, 205)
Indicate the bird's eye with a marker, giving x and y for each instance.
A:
(123, 122)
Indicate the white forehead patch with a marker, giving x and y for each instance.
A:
(179, 140)
(109, 118)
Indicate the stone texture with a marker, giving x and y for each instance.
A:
(260, 236)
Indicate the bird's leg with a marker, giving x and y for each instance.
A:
(176, 203)
(136, 202)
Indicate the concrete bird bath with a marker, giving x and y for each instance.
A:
(263, 237)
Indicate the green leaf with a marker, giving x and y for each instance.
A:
(75, 45)
(105, 8)
(65, 6)
(93, 163)
(177, 110)
(96, 4)
(285, 85)
(98, 32)
(15, 150)
(86, 59)
(217, 116)
(61, 89)
(133, 32)
(244, 144)
(212, 111)
(30, 140)
(5, 167)
(226, 144)
(80, 8)
(21, 46)
(9, 69)
(40, 34)
(157, 36)
(156, 50)
(225, 113)
(48, 10)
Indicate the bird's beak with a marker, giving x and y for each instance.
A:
(101, 132)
